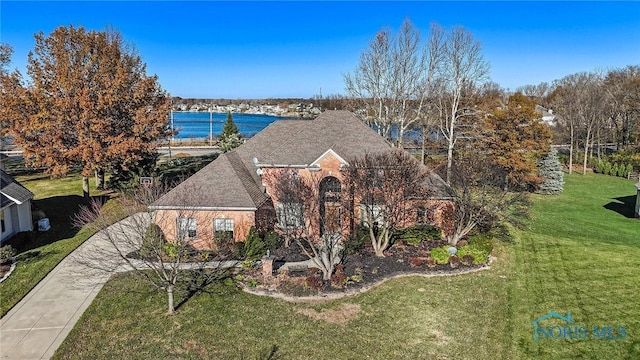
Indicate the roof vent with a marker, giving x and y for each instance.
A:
(255, 160)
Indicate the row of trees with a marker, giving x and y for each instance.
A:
(440, 86)
(593, 109)
(87, 104)
(403, 83)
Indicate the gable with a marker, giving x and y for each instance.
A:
(11, 191)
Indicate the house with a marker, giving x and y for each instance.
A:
(15, 207)
(229, 195)
(547, 116)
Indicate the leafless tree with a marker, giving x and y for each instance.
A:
(580, 102)
(394, 79)
(386, 187)
(462, 69)
(479, 198)
(623, 90)
(129, 239)
(310, 215)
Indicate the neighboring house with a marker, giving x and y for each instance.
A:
(637, 212)
(229, 195)
(15, 207)
(547, 115)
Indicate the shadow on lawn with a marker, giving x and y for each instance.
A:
(59, 210)
(623, 206)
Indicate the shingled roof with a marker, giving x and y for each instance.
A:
(11, 192)
(232, 181)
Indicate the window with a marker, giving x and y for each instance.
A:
(290, 215)
(223, 228)
(424, 215)
(374, 212)
(2, 221)
(186, 228)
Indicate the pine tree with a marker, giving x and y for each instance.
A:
(230, 137)
(229, 128)
(551, 171)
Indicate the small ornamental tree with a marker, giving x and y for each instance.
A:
(551, 172)
(385, 187)
(302, 212)
(128, 228)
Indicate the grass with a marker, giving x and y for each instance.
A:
(581, 255)
(39, 253)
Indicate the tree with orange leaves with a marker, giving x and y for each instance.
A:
(515, 139)
(89, 105)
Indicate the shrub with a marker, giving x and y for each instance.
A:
(254, 247)
(454, 261)
(431, 263)
(339, 279)
(606, 168)
(614, 170)
(6, 253)
(152, 242)
(357, 241)
(314, 282)
(629, 170)
(440, 254)
(222, 240)
(478, 249)
(551, 172)
(414, 235)
(467, 260)
(271, 240)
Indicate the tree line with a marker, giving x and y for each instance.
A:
(441, 86)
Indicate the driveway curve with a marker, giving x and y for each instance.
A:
(38, 324)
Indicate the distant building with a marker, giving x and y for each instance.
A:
(547, 115)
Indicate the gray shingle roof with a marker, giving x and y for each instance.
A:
(11, 192)
(232, 181)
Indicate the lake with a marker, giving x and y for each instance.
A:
(197, 124)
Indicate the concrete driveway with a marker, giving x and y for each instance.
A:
(38, 324)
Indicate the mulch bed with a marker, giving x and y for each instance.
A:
(364, 266)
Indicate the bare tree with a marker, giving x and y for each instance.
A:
(395, 79)
(579, 100)
(310, 214)
(479, 199)
(462, 68)
(386, 186)
(623, 90)
(131, 240)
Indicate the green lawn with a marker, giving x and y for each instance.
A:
(581, 254)
(41, 252)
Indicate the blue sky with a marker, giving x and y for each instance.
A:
(275, 49)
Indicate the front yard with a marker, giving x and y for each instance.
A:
(581, 254)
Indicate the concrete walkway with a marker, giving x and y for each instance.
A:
(38, 324)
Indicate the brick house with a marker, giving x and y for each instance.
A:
(229, 195)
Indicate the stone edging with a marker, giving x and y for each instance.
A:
(340, 295)
(13, 267)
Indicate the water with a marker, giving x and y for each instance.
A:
(196, 124)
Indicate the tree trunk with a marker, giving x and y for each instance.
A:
(422, 154)
(586, 152)
(85, 188)
(571, 151)
(449, 161)
(100, 179)
(170, 307)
